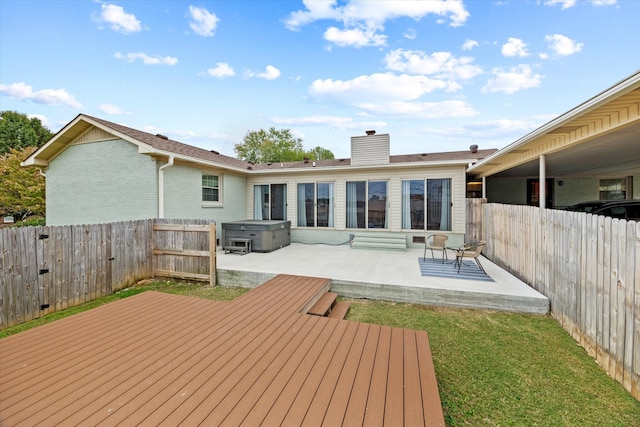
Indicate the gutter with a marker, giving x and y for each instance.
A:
(161, 186)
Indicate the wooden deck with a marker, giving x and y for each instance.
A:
(162, 359)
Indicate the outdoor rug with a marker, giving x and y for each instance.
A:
(448, 270)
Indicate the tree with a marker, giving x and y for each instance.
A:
(23, 189)
(17, 130)
(320, 153)
(276, 146)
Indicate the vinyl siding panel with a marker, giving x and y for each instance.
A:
(370, 150)
(340, 177)
(100, 182)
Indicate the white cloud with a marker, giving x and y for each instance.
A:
(376, 12)
(146, 59)
(421, 110)
(409, 34)
(512, 80)
(315, 10)
(566, 4)
(389, 94)
(118, 20)
(203, 22)
(563, 45)
(270, 73)
(375, 88)
(336, 122)
(24, 92)
(112, 109)
(43, 119)
(469, 44)
(221, 70)
(514, 47)
(363, 20)
(439, 64)
(355, 37)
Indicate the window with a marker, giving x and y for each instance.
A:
(367, 204)
(613, 189)
(210, 188)
(315, 204)
(426, 204)
(270, 201)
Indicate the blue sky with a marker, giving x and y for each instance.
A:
(435, 75)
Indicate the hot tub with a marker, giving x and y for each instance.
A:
(265, 235)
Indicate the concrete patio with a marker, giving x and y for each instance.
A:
(387, 275)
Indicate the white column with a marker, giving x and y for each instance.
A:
(484, 187)
(543, 182)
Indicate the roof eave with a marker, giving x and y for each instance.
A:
(364, 167)
(602, 98)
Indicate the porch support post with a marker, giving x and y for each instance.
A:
(484, 187)
(543, 182)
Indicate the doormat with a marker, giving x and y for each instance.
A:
(448, 270)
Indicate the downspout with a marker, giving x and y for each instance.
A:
(161, 186)
(42, 173)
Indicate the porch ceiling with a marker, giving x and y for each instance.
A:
(615, 154)
(600, 137)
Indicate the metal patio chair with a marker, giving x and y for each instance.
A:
(436, 241)
(470, 250)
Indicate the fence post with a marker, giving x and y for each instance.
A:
(212, 254)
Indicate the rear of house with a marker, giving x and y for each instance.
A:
(98, 171)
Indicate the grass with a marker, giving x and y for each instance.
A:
(508, 369)
(493, 368)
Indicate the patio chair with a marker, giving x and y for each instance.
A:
(435, 241)
(470, 250)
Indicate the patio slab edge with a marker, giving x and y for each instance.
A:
(405, 294)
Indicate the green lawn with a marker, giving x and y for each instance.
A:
(493, 368)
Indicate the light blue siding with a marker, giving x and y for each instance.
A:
(100, 182)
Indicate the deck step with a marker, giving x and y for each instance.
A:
(323, 306)
(339, 311)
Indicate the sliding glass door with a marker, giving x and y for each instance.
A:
(270, 201)
(315, 204)
(426, 204)
(367, 204)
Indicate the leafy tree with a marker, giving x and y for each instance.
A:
(320, 153)
(276, 146)
(23, 189)
(17, 130)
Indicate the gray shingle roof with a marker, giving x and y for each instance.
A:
(175, 147)
(171, 146)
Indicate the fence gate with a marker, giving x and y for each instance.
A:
(186, 251)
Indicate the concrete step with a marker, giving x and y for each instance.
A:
(323, 306)
(395, 242)
(379, 246)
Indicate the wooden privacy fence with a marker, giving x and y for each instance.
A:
(185, 249)
(587, 265)
(47, 269)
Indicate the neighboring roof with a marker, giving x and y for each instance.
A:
(597, 138)
(457, 157)
(159, 145)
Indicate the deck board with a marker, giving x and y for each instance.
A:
(161, 359)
